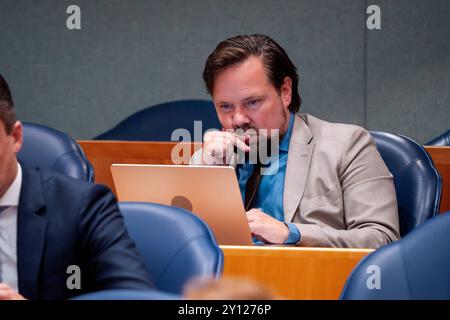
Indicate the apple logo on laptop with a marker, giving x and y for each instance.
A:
(181, 202)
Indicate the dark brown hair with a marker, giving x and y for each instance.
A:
(7, 110)
(237, 49)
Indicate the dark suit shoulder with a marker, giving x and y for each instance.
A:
(84, 227)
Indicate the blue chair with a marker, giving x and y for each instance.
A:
(442, 140)
(417, 182)
(51, 149)
(157, 123)
(415, 267)
(174, 243)
(122, 294)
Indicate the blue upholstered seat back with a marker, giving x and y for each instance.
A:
(417, 182)
(157, 123)
(176, 245)
(415, 267)
(51, 149)
(442, 140)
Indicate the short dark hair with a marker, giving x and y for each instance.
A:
(7, 110)
(237, 49)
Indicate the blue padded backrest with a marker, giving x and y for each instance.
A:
(157, 123)
(176, 245)
(54, 150)
(442, 140)
(415, 267)
(417, 182)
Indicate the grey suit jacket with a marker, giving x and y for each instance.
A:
(337, 189)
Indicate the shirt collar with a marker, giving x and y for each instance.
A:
(12, 195)
(284, 143)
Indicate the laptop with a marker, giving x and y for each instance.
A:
(210, 192)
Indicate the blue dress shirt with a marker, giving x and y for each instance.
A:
(269, 197)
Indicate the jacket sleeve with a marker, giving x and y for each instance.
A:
(112, 259)
(369, 200)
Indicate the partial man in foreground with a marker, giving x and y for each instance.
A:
(322, 184)
(59, 237)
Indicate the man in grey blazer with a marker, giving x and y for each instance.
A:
(330, 186)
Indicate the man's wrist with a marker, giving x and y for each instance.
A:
(294, 235)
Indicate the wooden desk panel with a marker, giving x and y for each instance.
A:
(294, 273)
(441, 159)
(102, 154)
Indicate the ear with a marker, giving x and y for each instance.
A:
(17, 134)
(286, 92)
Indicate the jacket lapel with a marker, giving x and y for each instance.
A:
(301, 148)
(31, 232)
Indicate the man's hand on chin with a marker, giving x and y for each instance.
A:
(6, 293)
(266, 227)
